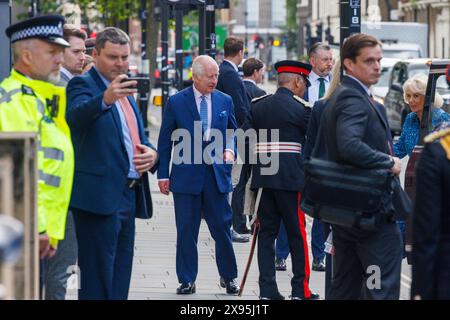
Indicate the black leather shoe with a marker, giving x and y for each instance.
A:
(231, 286)
(236, 237)
(186, 288)
(314, 296)
(280, 264)
(318, 265)
(278, 296)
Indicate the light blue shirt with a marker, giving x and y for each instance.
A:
(132, 173)
(198, 99)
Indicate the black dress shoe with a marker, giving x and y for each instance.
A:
(277, 296)
(236, 237)
(318, 265)
(314, 296)
(280, 264)
(231, 286)
(186, 288)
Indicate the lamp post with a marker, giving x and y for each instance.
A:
(245, 35)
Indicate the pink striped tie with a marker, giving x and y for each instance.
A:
(131, 122)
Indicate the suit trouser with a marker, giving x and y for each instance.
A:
(274, 206)
(367, 264)
(282, 243)
(237, 199)
(317, 240)
(58, 271)
(217, 214)
(105, 250)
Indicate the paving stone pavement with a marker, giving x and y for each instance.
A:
(154, 276)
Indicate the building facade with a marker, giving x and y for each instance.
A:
(435, 13)
(260, 23)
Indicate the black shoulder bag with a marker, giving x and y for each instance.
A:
(343, 194)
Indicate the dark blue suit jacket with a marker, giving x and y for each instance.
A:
(231, 84)
(101, 162)
(313, 130)
(180, 113)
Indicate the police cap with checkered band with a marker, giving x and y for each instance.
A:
(48, 28)
(297, 67)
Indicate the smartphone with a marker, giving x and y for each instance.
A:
(143, 84)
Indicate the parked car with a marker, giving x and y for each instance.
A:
(436, 70)
(380, 89)
(396, 108)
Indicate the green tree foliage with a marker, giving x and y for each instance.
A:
(291, 27)
(111, 12)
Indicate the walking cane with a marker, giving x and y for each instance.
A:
(254, 221)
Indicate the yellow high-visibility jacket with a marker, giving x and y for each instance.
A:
(37, 106)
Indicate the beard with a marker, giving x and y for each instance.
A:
(54, 77)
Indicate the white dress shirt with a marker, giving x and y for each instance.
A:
(313, 90)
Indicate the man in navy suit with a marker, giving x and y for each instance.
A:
(356, 132)
(201, 177)
(253, 70)
(231, 84)
(112, 157)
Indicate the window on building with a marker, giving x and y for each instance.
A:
(278, 13)
(252, 13)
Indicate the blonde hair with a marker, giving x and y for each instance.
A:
(335, 79)
(418, 85)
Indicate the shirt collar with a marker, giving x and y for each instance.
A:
(313, 77)
(198, 94)
(105, 81)
(67, 73)
(249, 80)
(232, 63)
(360, 83)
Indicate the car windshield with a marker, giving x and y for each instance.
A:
(384, 78)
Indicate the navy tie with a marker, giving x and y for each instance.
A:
(204, 113)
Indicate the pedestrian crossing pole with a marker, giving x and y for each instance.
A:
(211, 28)
(350, 20)
(145, 68)
(164, 53)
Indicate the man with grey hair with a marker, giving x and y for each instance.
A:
(200, 185)
(321, 59)
(29, 102)
(66, 256)
(112, 157)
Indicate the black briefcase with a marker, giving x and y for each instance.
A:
(345, 195)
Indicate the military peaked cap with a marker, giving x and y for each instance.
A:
(292, 66)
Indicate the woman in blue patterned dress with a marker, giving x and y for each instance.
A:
(414, 95)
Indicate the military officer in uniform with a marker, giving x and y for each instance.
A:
(280, 195)
(431, 220)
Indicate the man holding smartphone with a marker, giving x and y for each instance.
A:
(112, 156)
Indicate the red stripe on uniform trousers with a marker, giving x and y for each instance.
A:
(302, 225)
(293, 70)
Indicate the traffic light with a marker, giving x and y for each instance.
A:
(319, 28)
(307, 39)
(257, 41)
